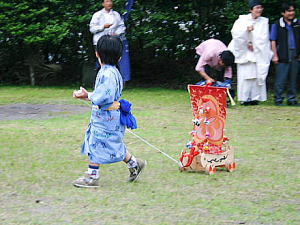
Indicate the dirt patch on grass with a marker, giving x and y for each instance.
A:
(38, 111)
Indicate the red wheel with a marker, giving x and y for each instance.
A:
(229, 167)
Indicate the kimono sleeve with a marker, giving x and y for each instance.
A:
(262, 36)
(239, 31)
(105, 90)
(239, 40)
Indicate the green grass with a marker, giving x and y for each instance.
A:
(40, 158)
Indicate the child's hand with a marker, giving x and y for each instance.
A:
(82, 93)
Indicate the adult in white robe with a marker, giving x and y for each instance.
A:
(251, 47)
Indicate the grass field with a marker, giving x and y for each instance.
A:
(40, 158)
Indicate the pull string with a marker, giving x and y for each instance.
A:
(154, 147)
(146, 142)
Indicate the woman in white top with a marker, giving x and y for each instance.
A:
(251, 47)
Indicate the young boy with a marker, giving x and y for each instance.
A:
(104, 137)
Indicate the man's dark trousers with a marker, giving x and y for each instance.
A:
(286, 73)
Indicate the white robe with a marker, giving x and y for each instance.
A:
(252, 66)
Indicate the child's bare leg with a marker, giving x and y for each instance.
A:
(127, 157)
(130, 160)
(134, 165)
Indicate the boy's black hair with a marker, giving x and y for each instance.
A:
(286, 6)
(227, 57)
(109, 49)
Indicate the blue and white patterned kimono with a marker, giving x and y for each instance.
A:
(104, 137)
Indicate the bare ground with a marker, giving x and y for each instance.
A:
(21, 111)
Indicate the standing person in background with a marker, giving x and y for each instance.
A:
(251, 46)
(285, 41)
(109, 22)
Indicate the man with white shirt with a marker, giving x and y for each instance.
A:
(109, 22)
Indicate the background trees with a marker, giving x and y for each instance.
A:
(47, 42)
(44, 40)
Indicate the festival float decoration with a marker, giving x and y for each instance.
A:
(208, 148)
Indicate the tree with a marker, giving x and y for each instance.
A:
(35, 34)
(30, 26)
(45, 31)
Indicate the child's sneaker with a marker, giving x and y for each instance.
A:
(86, 181)
(136, 171)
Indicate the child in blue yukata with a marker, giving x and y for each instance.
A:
(104, 137)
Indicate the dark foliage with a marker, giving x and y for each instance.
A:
(48, 42)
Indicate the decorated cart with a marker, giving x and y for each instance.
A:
(208, 148)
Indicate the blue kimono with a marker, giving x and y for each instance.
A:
(103, 141)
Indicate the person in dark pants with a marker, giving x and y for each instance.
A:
(285, 41)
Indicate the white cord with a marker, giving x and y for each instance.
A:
(146, 142)
(152, 146)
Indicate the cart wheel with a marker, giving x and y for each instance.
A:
(210, 169)
(229, 167)
(234, 165)
(215, 169)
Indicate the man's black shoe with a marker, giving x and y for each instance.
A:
(245, 103)
(254, 102)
